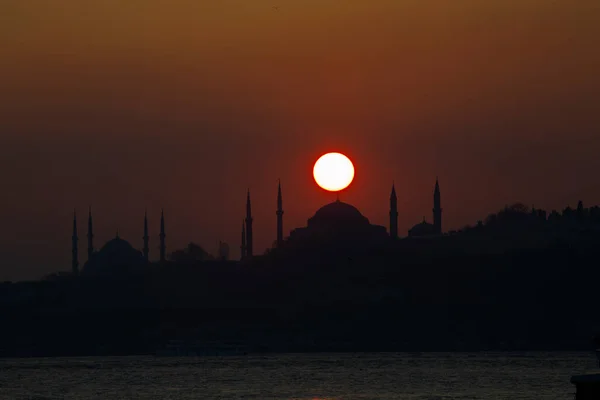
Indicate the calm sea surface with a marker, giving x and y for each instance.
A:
(299, 376)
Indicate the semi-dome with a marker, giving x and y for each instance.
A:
(338, 213)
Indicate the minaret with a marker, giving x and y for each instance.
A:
(75, 260)
(249, 249)
(163, 247)
(437, 209)
(90, 235)
(393, 214)
(279, 217)
(146, 238)
(243, 246)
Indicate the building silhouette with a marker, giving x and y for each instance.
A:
(336, 225)
(243, 246)
(115, 258)
(249, 248)
(279, 216)
(117, 255)
(146, 238)
(75, 247)
(393, 214)
(424, 228)
(90, 234)
(162, 236)
(340, 224)
(437, 209)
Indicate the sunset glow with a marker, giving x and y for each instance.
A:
(333, 172)
(121, 104)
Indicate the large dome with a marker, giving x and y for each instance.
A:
(422, 229)
(117, 255)
(337, 227)
(338, 213)
(117, 246)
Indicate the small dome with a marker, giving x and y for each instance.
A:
(337, 213)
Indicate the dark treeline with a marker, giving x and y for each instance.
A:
(518, 281)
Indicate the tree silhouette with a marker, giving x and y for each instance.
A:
(517, 212)
(193, 252)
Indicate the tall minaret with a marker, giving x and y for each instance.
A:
(279, 217)
(249, 250)
(90, 235)
(146, 238)
(163, 247)
(437, 209)
(243, 246)
(75, 260)
(393, 214)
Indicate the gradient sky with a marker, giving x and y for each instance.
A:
(184, 104)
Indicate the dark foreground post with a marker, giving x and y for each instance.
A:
(587, 386)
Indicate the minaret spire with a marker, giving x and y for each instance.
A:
(243, 246)
(437, 208)
(393, 213)
(279, 216)
(75, 246)
(163, 247)
(146, 249)
(90, 235)
(249, 249)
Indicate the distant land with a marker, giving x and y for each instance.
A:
(519, 280)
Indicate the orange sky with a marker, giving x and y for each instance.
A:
(183, 104)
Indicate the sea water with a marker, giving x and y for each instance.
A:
(299, 376)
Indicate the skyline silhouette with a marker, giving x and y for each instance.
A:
(518, 280)
(417, 182)
(586, 219)
(185, 105)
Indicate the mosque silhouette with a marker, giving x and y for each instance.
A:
(339, 225)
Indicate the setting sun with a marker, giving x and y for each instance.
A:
(333, 172)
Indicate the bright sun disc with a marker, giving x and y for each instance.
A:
(333, 172)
